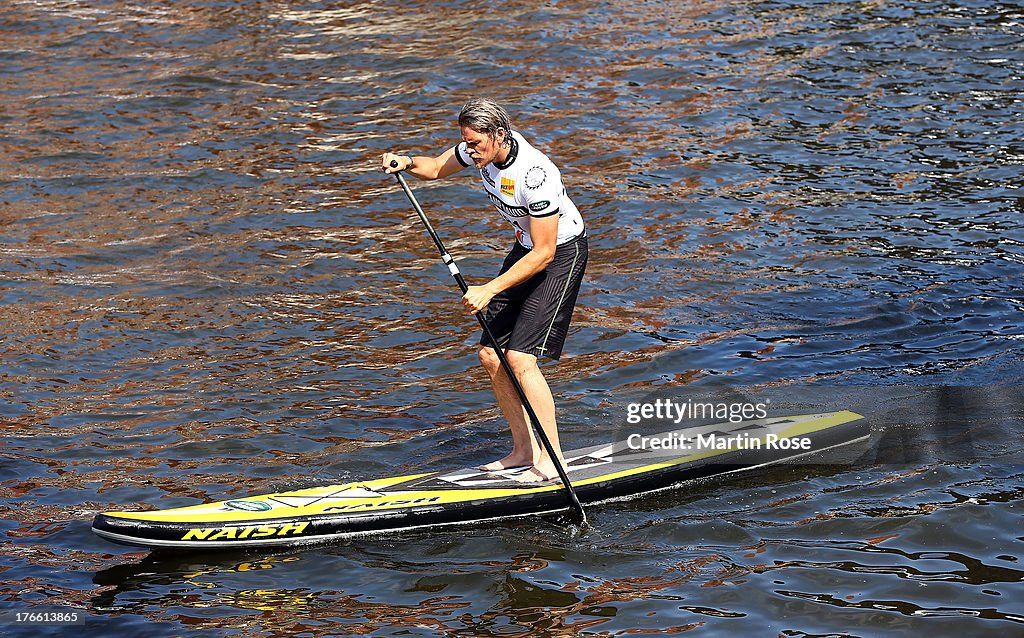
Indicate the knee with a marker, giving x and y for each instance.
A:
(489, 359)
(521, 363)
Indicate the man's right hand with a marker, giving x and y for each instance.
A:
(402, 162)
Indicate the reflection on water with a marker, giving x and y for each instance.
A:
(207, 290)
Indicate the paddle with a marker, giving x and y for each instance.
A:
(534, 421)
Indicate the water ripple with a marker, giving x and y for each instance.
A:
(208, 290)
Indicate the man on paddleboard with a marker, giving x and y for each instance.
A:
(529, 304)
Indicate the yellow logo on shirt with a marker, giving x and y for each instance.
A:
(508, 187)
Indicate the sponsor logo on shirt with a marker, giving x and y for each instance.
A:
(539, 206)
(508, 211)
(508, 187)
(535, 177)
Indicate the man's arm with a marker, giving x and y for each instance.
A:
(423, 167)
(544, 232)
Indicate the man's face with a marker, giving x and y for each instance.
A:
(482, 148)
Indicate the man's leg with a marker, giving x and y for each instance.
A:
(523, 453)
(535, 386)
(526, 450)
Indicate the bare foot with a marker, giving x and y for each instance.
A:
(536, 475)
(507, 463)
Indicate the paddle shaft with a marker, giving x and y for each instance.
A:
(574, 501)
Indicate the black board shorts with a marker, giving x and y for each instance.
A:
(534, 316)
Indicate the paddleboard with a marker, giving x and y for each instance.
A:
(634, 466)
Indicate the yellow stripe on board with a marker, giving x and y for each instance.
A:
(219, 511)
(214, 512)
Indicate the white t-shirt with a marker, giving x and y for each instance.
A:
(527, 185)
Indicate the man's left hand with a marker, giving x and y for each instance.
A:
(477, 298)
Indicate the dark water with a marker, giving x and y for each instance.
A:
(207, 290)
